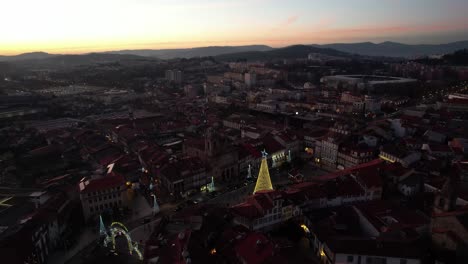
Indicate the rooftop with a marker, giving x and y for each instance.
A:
(111, 180)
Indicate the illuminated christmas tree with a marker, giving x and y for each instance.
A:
(263, 180)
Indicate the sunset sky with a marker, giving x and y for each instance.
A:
(79, 26)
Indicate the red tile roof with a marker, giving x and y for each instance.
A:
(254, 249)
(271, 145)
(257, 204)
(250, 150)
(369, 176)
(109, 181)
(371, 164)
(377, 211)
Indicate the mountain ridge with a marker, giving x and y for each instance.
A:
(396, 49)
(382, 49)
(36, 55)
(289, 52)
(192, 52)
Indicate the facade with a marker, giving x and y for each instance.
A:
(102, 194)
(264, 210)
(329, 147)
(372, 83)
(352, 155)
(175, 76)
(369, 253)
(394, 154)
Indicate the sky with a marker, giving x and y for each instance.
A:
(80, 26)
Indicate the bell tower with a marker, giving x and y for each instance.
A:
(445, 200)
(212, 143)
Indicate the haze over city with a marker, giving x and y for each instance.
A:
(73, 26)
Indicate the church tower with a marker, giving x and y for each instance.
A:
(263, 180)
(445, 200)
(211, 143)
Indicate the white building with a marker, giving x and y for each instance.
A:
(264, 210)
(174, 76)
(250, 79)
(101, 194)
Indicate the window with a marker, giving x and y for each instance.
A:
(350, 258)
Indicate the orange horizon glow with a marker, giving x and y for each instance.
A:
(76, 27)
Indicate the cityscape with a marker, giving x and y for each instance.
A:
(237, 132)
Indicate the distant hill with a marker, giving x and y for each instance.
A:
(192, 52)
(394, 49)
(27, 56)
(63, 61)
(254, 52)
(459, 57)
(291, 52)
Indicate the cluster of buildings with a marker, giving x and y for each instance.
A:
(250, 163)
(424, 71)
